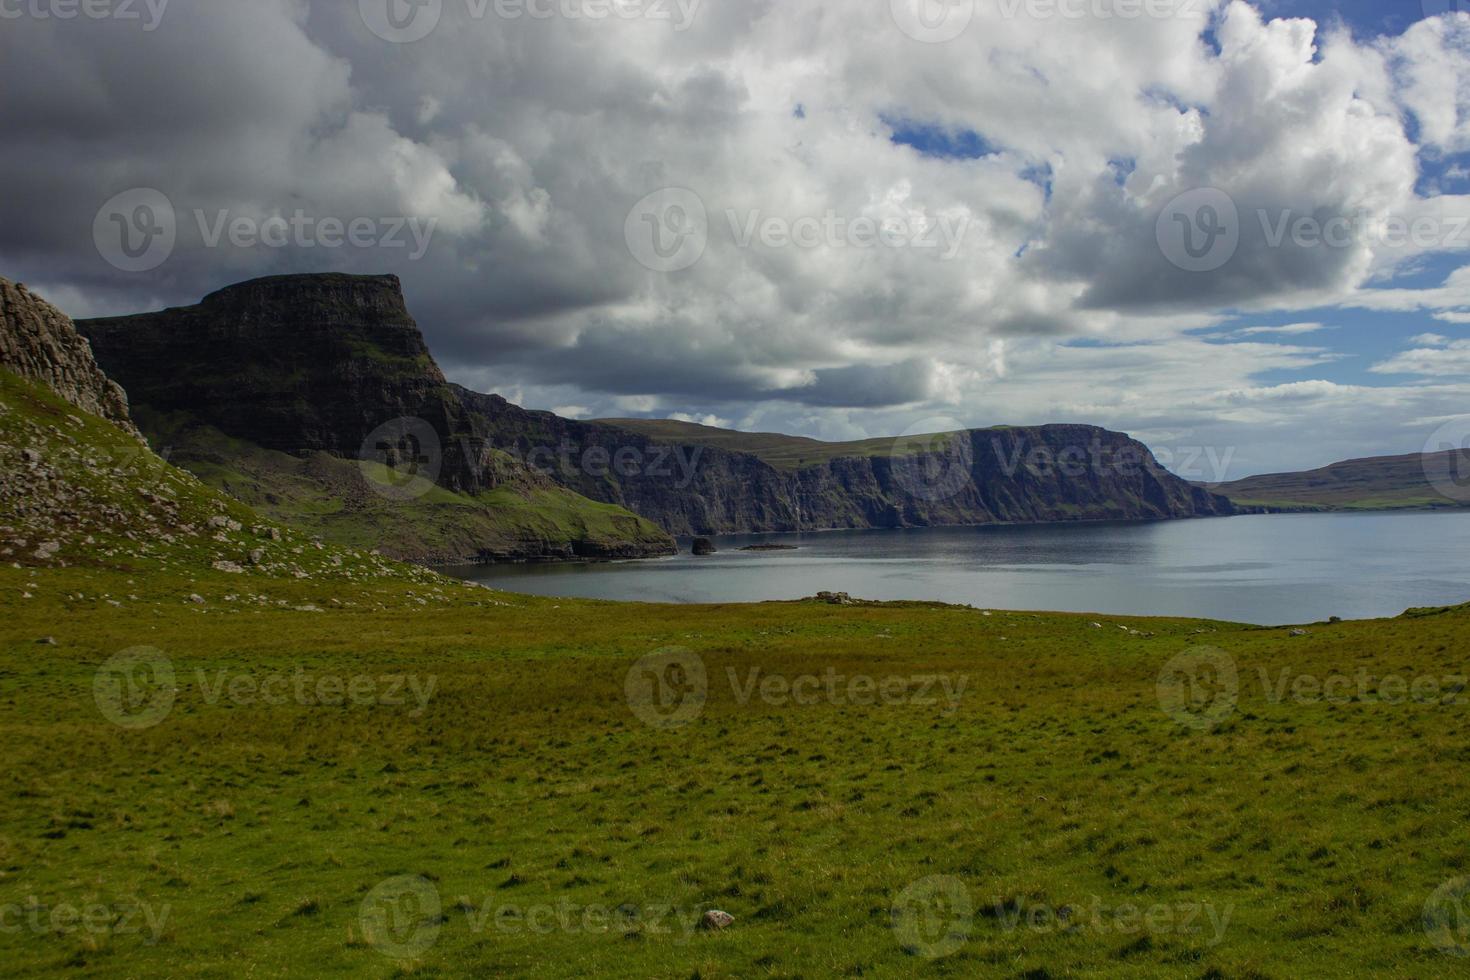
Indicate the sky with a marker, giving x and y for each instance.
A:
(1236, 231)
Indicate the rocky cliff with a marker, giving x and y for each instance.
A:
(309, 364)
(41, 344)
(333, 367)
(983, 476)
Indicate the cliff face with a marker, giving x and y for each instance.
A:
(292, 363)
(333, 365)
(41, 344)
(984, 476)
(299, 364)
(306, 364)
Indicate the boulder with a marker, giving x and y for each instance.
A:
(714, 920)
(41, 344)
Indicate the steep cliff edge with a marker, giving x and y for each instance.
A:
(267, 388)
(308, 365)
(689, 480)
(41, 344)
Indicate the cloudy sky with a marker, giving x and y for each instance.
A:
(1218, 226)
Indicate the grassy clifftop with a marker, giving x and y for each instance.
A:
(775, 449)
(1410, 482)
(524, 517)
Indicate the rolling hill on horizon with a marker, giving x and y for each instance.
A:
(1413, 481)
(1396, 482)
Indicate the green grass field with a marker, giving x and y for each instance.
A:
(535, 815)
(232, 749)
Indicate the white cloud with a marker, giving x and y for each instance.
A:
(1288, 330)
(529, 141)
(1437, 359)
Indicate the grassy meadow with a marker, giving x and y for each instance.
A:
(233, 749)
(491, 784)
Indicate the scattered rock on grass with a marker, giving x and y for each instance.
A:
(715, 920)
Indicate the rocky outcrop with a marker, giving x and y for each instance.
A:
(41, 344)
(292, 363)
(334, 364)
(1034, 474)
(320, 363)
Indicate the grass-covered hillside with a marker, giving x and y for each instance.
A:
(293, 393)
(230, 750)
(1411, 482)
(80, 491)
(775, 449)
(362, 504)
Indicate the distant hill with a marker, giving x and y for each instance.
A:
(781, 451)
(1376, 483)
(975, 476)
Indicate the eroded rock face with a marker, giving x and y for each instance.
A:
(315, 363)
(293, 363)
(1023, 475)
(41, 344)
(334, 366)
(304, 364)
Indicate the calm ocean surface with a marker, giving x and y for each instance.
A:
(1269, 569)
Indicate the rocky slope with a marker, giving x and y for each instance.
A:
(40, 343)
(265, 386)
(317, 364)
(983, 476)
